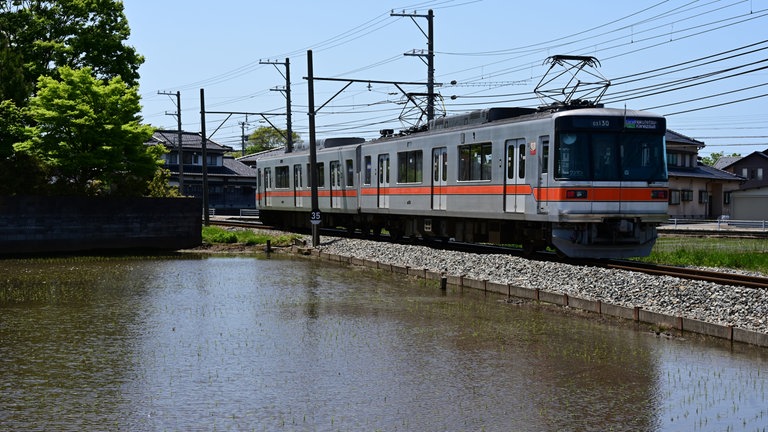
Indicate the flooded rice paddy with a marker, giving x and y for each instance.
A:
(292, 344)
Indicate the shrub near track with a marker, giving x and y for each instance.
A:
(217, 235)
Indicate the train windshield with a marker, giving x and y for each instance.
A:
(610, 156)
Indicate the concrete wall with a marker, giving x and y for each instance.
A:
(70, 224)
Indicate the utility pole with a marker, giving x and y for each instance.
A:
(242, 135)
(206, 216)
(430, 55)
(287, 92)
(179, 143)
(314, 217)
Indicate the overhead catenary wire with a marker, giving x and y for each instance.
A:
(638, 30)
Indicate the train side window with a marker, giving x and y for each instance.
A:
(268, 178)
(475, 162)
(367, 172)
(298, 181)
(513, 154)
(336, 177)
(383, 169)
(544, 141)
(282, 179)
(350, 172)
(320, 174)
(410, 166)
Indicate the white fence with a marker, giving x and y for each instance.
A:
(721, 223)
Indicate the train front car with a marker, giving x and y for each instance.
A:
(608, 187)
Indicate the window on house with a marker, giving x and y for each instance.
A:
(759, 173)
(703, 197)
(686, 195)
(672, 159)
(727, 198)
(745, 173)
(674, 197)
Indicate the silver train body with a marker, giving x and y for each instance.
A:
(588, 182)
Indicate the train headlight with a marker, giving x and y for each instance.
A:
(659, 194)
(576, 194)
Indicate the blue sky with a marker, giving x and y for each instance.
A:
(698, 62)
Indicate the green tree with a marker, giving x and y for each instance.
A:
(47, 34)
(19, 173)
(265, 138)
(89, 137)
(159, 186)
(13, 86)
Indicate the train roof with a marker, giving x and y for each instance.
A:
(477, 117)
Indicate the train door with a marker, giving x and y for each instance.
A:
(439, 178)
(515, 189)
(543, 180)
(259, 188)
(337, 177)
(298, 186)
(382, 189)
(267, 187)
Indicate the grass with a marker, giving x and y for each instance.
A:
(736, 253)
(212, 234)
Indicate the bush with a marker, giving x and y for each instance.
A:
(247, 237)
(218, 235)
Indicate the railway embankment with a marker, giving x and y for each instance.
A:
(667, 304)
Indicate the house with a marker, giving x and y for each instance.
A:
(753, 168)
(696, 191)
(750, 202)
(231, 184)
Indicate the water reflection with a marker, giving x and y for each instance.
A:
(292, 344)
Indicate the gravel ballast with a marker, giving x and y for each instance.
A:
(740, 307)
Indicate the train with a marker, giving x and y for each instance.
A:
(585, 182)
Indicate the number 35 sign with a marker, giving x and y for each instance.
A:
(315, 217)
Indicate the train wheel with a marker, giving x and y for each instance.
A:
(395, 234)
(530, 247)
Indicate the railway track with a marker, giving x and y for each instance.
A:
(690, 273)
(723, 278)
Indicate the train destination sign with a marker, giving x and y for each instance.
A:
(616, 123)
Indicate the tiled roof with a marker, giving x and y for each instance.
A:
(675, 137)
(704, 171)
(238, 167)
(725, 161)
(189, 140)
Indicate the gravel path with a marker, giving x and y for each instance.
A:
(740, 307)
